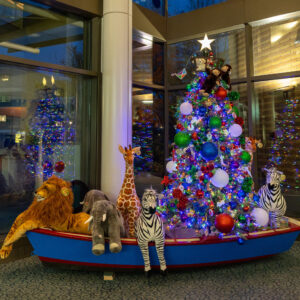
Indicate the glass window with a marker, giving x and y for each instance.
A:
(176, 7)
(279, 129)
(276, 47)
(147, 60)
(40, 134)
(229, 46)
(41, 34)
(148, 133)
(157, 6)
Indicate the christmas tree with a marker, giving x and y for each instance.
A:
(209, 184)
(284, 147)
(48, 131)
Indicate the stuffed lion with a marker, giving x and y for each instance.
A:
(51, 208)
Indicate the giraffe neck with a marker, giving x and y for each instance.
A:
(129, 177)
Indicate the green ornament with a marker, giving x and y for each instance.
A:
(182, 139)
(215, 122)
(224, 85)
(205, 180)
(222, 138)
(242, 140)
(188, 87)
(235, 110)
(245, 157)
(246, 188)
(242, 218)
(233, 95)
(227, 106)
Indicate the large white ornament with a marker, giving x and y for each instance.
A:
(171, 166)
(186, 108)
(235, 130)
(260, 216)
(220, 178)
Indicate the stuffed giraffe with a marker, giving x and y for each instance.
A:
(128, 203)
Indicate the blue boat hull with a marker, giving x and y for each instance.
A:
(70, 248)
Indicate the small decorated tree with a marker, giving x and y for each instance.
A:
(284, 146)
(48, 134)
(209, 184)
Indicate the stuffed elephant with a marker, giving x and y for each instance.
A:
(90, 198)
(106, 220)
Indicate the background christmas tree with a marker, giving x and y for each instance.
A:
(284, 153)
(209, 184)
(48, 133)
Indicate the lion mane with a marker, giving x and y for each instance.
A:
(52, 207)
(56, 207)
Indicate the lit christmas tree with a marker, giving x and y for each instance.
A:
(209, 185)
(285, 154)
(142, 136)
(49, 131)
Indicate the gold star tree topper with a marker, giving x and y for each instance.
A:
(205, 43)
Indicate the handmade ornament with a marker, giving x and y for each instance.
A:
(235, 130)
(260, 216)
(180, 75)
(209, 151)
(220, 178)
(225, 75)
(224, 223)
(182, 139)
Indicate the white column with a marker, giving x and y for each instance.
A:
(116, 94)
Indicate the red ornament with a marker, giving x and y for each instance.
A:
(203, 169)
(239, 120)
(201, 178)
(59, 166)
(211, 167)
(224, 223)
(180, 126)
(200, 194)
(177, 193)
(194, 135)
(223, 148)
(246, 208)
(223, 123)
(166, 181)
(221, 93)
(210, 174)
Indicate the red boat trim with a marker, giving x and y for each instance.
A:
(179, 242)
(70, 262)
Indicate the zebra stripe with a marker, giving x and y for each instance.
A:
(149, 227)
(271, 198)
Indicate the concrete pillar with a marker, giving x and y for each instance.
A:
(116, 94)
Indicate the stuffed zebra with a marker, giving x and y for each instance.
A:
(271, 198)
(149, 227)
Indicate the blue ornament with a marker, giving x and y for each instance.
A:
(241, 194)
(209, 151)
(256, 198)
(233, 204)
(240, 241)
(202, 111)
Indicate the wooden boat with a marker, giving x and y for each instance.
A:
(54, 247)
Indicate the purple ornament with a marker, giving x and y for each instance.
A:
(234, 164)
